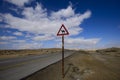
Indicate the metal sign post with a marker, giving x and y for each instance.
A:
(63, 56)
(62, 31)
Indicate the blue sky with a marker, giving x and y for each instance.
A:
(33, 24)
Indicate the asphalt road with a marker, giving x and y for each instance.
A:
(18, 68)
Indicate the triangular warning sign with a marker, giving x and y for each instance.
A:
(62, 31)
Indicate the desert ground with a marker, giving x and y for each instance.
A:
(5, 54)
(101, 64)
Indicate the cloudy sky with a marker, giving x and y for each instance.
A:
(33, 24)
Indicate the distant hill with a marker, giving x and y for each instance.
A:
(110, 51)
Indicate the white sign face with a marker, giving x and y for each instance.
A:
(62, 31)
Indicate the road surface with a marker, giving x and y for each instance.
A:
(18, 68)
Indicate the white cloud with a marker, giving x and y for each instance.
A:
(18, 2)
(7, 37)
(69, 12)
(79, 43)
(35, 14)
(3, 42)
(38, 22)
(32, 45)
(18, 33)
(0, 20)
(1, 17)
(8, 31)
(18, 41)
(20, 44)
(43, 38)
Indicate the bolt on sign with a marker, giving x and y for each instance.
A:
(62, 31)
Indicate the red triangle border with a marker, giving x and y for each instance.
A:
(58, 34)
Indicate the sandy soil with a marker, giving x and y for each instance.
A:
(82, 66)
(5, 54)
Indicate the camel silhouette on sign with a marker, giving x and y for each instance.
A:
(63, 31)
